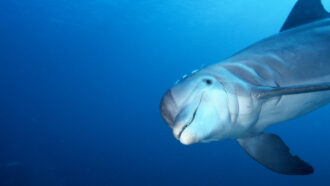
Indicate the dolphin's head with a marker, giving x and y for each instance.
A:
(197, 109)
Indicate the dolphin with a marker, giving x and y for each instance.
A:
(274, 80)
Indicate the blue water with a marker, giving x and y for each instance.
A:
(81, 83)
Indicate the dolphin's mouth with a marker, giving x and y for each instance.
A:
(191, 120)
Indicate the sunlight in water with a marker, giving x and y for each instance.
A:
(326, 4)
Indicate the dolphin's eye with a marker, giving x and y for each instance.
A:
(208, 81)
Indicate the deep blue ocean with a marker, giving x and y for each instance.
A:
(81, 83)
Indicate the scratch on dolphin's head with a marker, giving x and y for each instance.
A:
(187, 75)
(196, 109)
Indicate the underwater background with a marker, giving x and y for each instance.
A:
(81, 83)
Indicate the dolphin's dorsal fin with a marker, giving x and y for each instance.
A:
(269, 92)
(305, 11)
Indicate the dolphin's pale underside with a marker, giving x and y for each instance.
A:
(277, 79)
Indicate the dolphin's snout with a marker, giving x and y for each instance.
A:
(168, 108)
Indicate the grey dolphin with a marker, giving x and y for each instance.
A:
(277, 79)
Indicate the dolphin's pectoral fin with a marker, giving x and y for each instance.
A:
(271, 152)
(305, 11)
(269, 92)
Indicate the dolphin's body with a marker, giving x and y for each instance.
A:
(277, 79)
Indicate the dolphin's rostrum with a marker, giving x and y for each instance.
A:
(277, 79)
